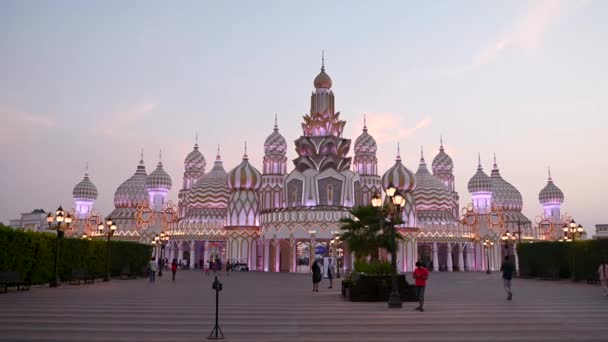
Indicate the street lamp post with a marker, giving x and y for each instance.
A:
(111, 229)
(395, 204)
(487, 244)
(60, 217)
(161, 240)
(572, 231)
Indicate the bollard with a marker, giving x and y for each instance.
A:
(216, 333)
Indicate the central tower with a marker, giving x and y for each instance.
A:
(322, 173)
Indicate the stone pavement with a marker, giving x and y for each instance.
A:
(282, 307)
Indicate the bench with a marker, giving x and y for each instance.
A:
(127, 274)
(13, 279)
(80, 274)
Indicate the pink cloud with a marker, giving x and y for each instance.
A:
(124, 117)
(17, 124)
(387, 127)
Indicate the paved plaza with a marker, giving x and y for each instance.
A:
(282, 307)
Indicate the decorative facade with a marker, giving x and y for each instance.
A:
(281, 219)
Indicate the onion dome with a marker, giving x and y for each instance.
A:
(275, 143)
(504, 195)
(322, 80)
(85, 190)
(244, 176)
(365, 143)
(551, 194)
(442, 163)
(480, 182)
(430, 193)
(133, 191)
(210, 191)
(195, 161)
(400, 176)
(159, 179)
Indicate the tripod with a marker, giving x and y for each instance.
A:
(216, 333)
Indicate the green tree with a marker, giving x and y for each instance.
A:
(367, 232)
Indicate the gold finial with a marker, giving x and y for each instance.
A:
(398, 152)
(245, 151)
(364, 122)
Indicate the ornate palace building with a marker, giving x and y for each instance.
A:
(280, 218)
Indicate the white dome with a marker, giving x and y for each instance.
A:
(85, 189)
(442, 163)
(365, 143)
(244, 176)
(159, 179)
(211, 190)
(551, 194)
(275, 143)
(195, 161)
(480, 182)
(430, 193)
(504, 195)
(400, 176)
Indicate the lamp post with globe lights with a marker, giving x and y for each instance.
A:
(161, 240)
(487, 244)
(110, 232)
(393, 209)
(63, 223)
(572, 231)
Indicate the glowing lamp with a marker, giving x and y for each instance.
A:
(398, 198)
(60, 216)
(68, 219)
(49, 218)
(108, 222)
(100, 227)
(113, 227)
(390, 191)
(59, 211)
(579, 228)
(84, 236)
(376, 200)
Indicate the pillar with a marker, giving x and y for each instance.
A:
(206, 251)
(171, 251)
(516, 258)
(449, 261)
(180, 250)
(266, 261)
(192, 255)
(311, 250)
(277, 255)
(461, 257)
(435, 257)
(292, 245)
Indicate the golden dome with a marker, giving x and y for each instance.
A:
(322, 80)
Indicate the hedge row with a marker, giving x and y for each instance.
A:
(577, 260)
(33, 255)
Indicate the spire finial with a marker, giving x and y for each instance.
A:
(160, 156)
(495, 164)
(479, 161)
(422, 155)
(276, 124)
(364, 122)
(86, 169)
(245, 151)
(398, 153)
(218, 153)
(549, 172)
(440, 142)
(196, 139)
(322, 60)
(141, 159)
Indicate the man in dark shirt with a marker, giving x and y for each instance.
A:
(507, 274)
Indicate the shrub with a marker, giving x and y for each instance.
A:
(373, 267)
(33, 255)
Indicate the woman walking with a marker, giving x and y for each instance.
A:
(316, 276)
(152, 268)
(174, 268)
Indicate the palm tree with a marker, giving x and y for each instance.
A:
(366, 232)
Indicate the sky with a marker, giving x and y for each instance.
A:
(96, 81)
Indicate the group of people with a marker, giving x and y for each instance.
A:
(153, 267)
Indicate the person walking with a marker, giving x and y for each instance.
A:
(602, 272)
(421, 274)
(152, 268)
(330, 274)
(316, 276)
(228, 265)
(507, 269)
(173, 268)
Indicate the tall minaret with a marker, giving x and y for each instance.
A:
(194, 169)
(551, 198)
(366, 165)
(275, 167)
(85, 194)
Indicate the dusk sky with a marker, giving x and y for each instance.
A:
(97, 81)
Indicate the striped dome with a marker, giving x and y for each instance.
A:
(365, 143)
(85, 190)
(400, 176)
(159, 179)
(442, 163)
(430, 193)
(133, 191)
(504, 195)
(275, 143)
(551, 194)
(195, 161)
(244, 176)
(210, 191)
(480, 182)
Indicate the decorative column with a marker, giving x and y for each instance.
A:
(171, 251)
(461, 257)
(516, 258)
(435, 257)
(266, 247)
(192, 252)
(277, 255)
(206, 251)
(292, 248)
(180, 250)
(311, 251)
(449, 261)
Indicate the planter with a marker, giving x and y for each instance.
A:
(375, 288)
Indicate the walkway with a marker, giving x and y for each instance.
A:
(282, 307)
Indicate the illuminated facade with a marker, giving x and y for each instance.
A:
(280, 220)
